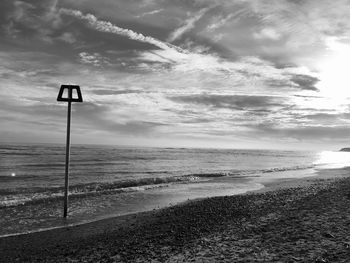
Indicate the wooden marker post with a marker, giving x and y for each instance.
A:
(69, 99)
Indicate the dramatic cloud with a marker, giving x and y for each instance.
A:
(235, 73)
(105, 26)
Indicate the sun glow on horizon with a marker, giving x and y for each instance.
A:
(332, 160)
(334, 72)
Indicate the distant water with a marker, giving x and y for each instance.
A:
(107, 181)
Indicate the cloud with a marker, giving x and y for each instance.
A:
(114, 92)
(167, 53)
(281, 31)
(108, 27)
(305, 82)
(176, 58)
(314, 133)
(293, 81)
(187, 25)
(220, 21)
(150, 13)
(94, 59)
(257, 81)
(323, 117)
(100, 117)
(268, 33)
(38, 20)
(236, 102)
(68, 38)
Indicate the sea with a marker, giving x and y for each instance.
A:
(108, 181)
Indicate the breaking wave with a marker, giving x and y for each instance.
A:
(22, 196)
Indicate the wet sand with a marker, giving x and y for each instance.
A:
(293, 220)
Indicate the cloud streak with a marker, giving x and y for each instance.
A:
(150, 13)
(187, 25)
(108, 27)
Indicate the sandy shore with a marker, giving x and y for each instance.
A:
(303, 220)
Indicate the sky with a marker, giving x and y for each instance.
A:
(271, 74)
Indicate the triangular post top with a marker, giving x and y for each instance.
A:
(70, 93)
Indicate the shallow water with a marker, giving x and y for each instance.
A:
(110, 181)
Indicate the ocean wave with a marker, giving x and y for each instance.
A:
(249, 173)
(208, 175)
(20, 153)
(285, 169)
(21, 196)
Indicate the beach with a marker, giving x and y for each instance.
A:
(296, 220)
(108, 181)
(174, 131)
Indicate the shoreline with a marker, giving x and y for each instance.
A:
(31, 247)
(268, 185)
(158, 197)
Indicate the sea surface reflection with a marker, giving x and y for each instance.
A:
(332, 160)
